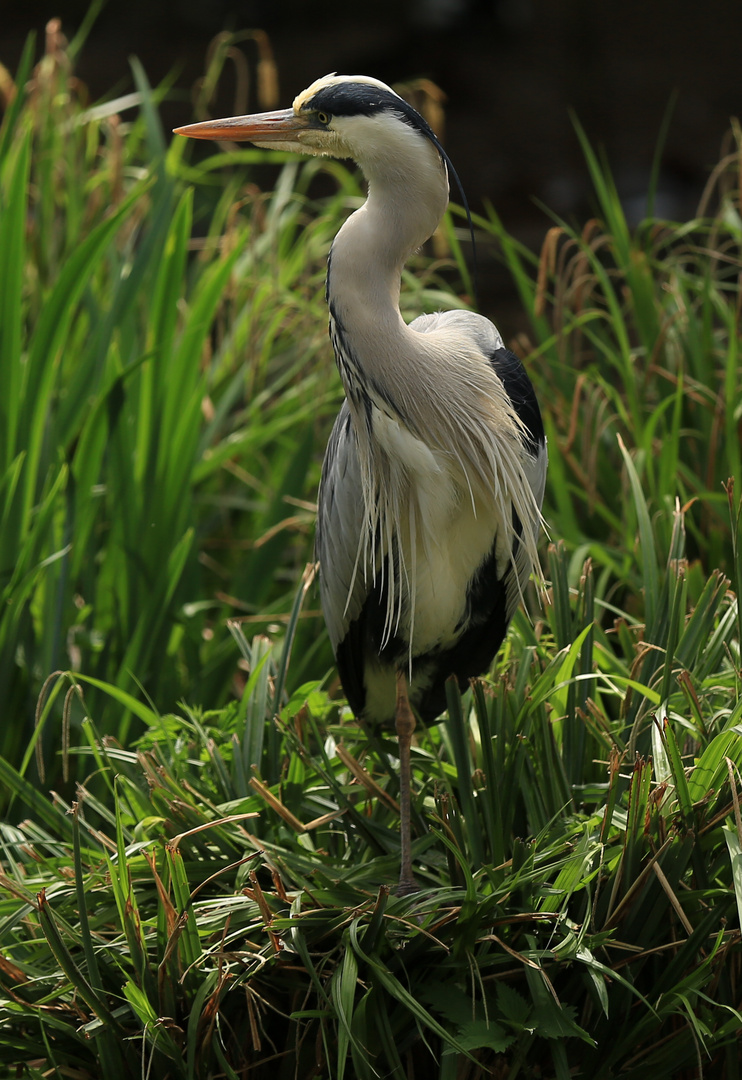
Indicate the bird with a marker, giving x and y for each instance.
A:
(430, 497)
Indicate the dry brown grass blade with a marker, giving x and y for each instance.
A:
(672, 898)
(546, 266)
(526, 963)
(257, 894)
(365, 779)
(276, 804)
(174, 843)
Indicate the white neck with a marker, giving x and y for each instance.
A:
(406, 200)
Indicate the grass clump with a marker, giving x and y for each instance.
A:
(579, 907)
(132, 395)
(635, 332)
(207, 892)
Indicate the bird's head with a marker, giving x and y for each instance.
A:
(342, 116)
(357, 117)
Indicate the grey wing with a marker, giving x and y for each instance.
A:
(339, 523)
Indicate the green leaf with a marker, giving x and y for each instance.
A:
(734, 847)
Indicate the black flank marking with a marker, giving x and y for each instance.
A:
(481, 634)
(362, 644)
(350, 658)
(513, 375)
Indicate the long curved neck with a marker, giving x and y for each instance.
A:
(405, 203)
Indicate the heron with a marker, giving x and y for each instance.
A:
(429, 506)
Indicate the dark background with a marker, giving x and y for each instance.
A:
(511, 70)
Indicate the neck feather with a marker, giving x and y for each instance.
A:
(406, 201)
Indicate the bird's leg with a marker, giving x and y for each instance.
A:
(404, 722)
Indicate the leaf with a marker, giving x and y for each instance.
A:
(396, 991)
(562, 681)
(650, 576)
(710, 770)
(734, 847)
(343, 987)
(512, 1005)
(449, 1001)
(478, 1034)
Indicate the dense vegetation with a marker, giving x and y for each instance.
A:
(195, 865)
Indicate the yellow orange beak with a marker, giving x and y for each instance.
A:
(265, 129)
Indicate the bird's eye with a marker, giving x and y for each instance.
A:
(323, 118)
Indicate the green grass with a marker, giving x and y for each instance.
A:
(636, 334)
(202, 884)
(137, 381)
(578, 909)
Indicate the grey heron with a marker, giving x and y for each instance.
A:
(432, 483)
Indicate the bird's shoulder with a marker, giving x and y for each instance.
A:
(477, 329)
(481, 333)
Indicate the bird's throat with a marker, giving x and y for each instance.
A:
(366, 263)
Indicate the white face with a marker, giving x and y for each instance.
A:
(362, 137)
